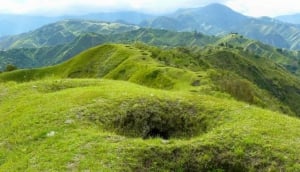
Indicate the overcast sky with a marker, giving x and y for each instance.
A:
(64, 7)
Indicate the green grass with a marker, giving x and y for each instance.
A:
(57, 52)
(125, 108)
(59, 125)
(288, 59)
(112, 61)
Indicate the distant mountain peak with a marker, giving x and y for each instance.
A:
(220, 9)
(217, 5)
(212, 6)
(293, 18)
(212, 10)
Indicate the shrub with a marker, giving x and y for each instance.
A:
(10, 67)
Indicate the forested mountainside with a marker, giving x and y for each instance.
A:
(213, 19)
(61, 32)
(49, 55)
(217, 19)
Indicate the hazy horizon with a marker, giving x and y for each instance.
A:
(82, 7)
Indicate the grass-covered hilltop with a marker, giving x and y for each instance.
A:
(136, 107)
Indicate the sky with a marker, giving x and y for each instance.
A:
(255, 8)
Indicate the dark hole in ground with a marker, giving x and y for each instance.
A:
(154, 132)
(155, 117)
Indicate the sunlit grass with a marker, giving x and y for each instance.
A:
(132, 113)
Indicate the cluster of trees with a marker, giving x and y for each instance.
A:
(9, 67)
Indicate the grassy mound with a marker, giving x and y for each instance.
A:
(148, 117)
(244, 76)
(112, 61)
(162, 118)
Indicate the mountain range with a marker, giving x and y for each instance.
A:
(293, 18)
(214, 19)
(217, 19)
(16, 24)
(62, 32)
(41, 47)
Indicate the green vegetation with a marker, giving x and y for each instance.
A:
(286, 58)
(119, 107)
(256, 81)
(217, 19)
(248, 78)
(117, 97)
(62, 32)
(10, 67)
(45, 56)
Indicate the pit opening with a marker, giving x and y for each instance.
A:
(154, 132)
(155, 117)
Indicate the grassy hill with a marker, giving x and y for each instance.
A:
(62, 32)
(238, 73)
(286, 58)
(44, 56)
(262, 81)
(157, 114)
(113, 61)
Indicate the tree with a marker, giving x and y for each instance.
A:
(10, 67)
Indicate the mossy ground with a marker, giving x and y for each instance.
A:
(159, 118)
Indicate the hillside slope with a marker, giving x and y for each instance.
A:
(49, 121)
(113, 61)
(293, 18)
(45, 56)
(15, 24)
(62, 32)
(217, 19)
(262, 81)
(288, 59)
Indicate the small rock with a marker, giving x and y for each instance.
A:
(165, 141)
(69, 121)
(51, 134)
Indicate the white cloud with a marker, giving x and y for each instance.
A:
(264, 7)
(58, 7)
